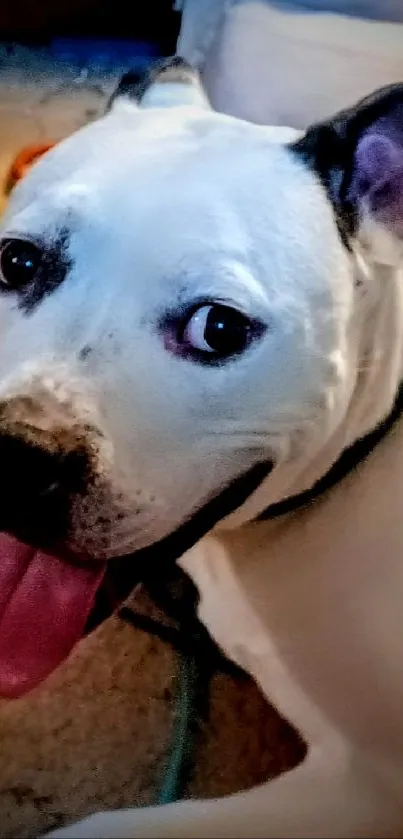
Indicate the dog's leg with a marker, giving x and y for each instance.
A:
(324, 797)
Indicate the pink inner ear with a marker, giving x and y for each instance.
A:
(377, 156)
(378, 176)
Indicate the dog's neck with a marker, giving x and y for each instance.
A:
(376, 341)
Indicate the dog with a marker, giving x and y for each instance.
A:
(201, 359)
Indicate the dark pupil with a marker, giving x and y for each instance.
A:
(18, 262)
(226, 330)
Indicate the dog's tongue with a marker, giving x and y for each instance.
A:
(44, 606)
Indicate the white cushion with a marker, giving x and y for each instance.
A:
(273, 65)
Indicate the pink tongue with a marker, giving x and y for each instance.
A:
(44, 606)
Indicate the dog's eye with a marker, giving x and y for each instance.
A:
(217, 331)
(19, 262)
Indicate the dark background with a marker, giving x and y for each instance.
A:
(38, 21)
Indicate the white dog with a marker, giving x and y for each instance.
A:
(199, 316)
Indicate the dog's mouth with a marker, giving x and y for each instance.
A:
(48, 603)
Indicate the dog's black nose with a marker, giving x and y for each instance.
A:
(38, 483)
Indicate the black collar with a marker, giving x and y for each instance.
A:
(347, 462)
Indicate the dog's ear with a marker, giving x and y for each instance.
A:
(126, 90)
(358, 156)
(169, 83)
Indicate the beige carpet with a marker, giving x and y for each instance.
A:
(95, 735)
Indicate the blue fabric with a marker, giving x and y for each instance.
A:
(386, 10)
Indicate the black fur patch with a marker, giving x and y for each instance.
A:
(53, 269)
(329, 148)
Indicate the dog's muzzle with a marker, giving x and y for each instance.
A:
(47, 591)
(56, 507)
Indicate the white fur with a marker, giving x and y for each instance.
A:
(164, 205)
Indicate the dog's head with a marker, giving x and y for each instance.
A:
(187, 302)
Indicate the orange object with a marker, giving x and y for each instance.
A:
(25, 159)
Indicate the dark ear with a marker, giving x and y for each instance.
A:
(135, 86)
(358, 155)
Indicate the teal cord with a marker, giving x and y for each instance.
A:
(190, 703)
(182, 740)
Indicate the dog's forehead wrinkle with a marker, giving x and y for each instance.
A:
(156, 139)
(159, 170)
(219, 214)
(96, 145)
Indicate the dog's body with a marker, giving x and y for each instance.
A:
(220, 306)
